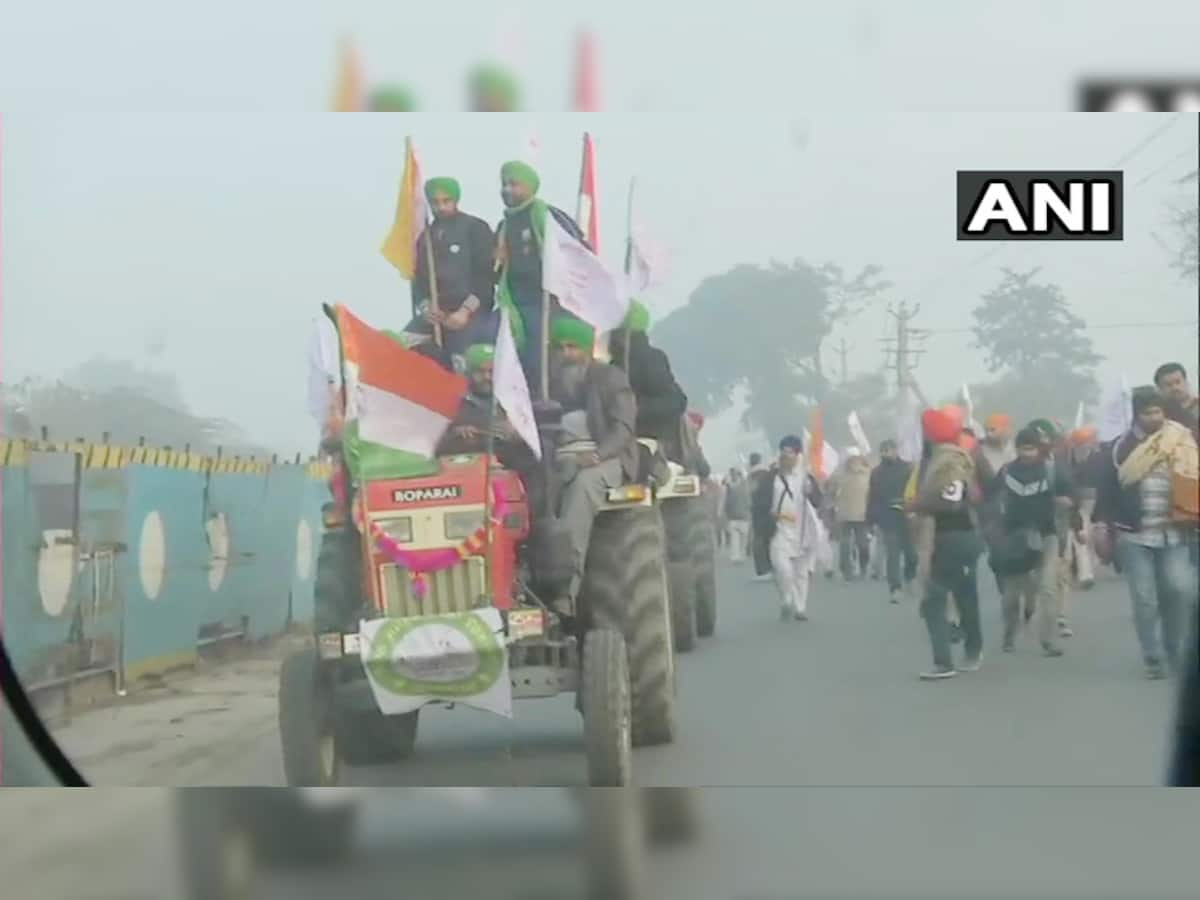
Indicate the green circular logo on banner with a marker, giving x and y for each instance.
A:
(439, 656)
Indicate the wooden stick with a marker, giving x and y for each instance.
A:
(433, 290)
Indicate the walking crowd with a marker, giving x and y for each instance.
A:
(1043, 504)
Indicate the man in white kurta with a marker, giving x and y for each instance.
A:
(797, 538)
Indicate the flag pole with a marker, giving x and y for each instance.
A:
(628, 258)
(545, 348)
(582, 177)
(489, 455)
(433, 289)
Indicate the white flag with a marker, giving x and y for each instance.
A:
(909, 436)
(1116, 410)
(857, 432)
(512, 391)
(969, 408)
(324, 368)
(1079, 416)
(583, 284)
(646, 263)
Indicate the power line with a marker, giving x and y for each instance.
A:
(1124, 158)
(1191, 151)
(1086, 328)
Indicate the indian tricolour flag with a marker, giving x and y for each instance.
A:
(399, 398)
(412, 212)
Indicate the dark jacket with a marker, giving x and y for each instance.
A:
(476, 411)
(1026, 493)
(463, 260)
(612, 416)
(1086, 471)
(885, 495)
(524, 253)
(1118, 506)
(661, 401)
(1187, 416)
(737, 500)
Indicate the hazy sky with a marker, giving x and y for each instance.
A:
(229, 231)
(224, 55)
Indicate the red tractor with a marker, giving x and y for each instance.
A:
(429, 590)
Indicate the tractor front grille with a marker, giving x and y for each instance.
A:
(459, 589)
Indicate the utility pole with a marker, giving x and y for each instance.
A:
(843, 350)
(906, 345)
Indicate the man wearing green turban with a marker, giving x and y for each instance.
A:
(478, 413)
(600, 416)
(461, 273)
(661, 402)
(519, 240)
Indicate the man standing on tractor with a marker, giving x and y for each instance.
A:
(599, 406)
(518, 246)
(661, 402)
(455, 294)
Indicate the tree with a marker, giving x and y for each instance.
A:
(762, 327)
(1039, 349)
(118, 400)
(103, 374)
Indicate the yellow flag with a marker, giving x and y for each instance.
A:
(400, 246)
(351, 83)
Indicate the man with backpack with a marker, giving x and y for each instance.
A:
(785, 517)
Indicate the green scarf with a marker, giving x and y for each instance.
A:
(538, 211)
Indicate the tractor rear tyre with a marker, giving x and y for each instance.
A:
(625, 588)
(338, 589)
(704, 563)
(681, 574)
(606, 708)
(306, 723)
(681, 582)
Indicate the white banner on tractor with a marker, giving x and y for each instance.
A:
(511, 389)
(583, 284)
(459, 658)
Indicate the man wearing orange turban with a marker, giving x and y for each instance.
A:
(948, 548)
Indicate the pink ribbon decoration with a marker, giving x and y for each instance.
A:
(421, 563)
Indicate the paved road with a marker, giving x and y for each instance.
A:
(833, 701)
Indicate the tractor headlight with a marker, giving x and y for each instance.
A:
(462, 524)
(629, 493)
(399, 529)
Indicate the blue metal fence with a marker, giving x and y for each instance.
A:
(129, 559)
